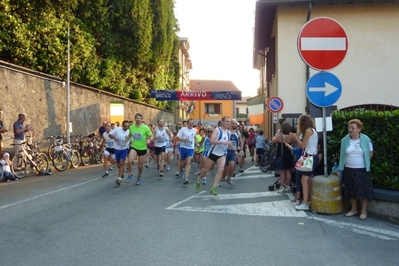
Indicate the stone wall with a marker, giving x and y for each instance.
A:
(43, 98)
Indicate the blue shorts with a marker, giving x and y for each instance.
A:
(185, 153)
(230, 156)
(121, 154)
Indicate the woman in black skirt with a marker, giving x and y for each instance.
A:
(355, 160)
(283, 137)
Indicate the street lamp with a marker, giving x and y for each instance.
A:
(68, 92)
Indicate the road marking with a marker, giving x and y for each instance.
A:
(48, 193)
(180, 202)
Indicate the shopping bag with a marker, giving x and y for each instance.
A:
(304, 164)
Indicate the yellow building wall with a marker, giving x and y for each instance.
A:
(199, 111)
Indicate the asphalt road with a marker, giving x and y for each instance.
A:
(78, 218)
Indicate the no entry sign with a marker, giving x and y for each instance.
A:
(322, 43)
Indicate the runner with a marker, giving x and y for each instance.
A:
(177, 145)
(217, 154)
(141, 136)
(169, 151)
(233, 155)
(186, 137)
(109, 152)
(245, 137)
(121, 147)
(161, 136)
(207, 147)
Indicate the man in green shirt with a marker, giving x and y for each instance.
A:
(139, 134)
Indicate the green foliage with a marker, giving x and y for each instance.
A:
(382, 127)
(122, 46)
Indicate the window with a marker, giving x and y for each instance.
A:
(212, 108)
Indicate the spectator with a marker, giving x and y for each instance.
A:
(259, 146)
(19, 132)
(2, 130)
(6, 163)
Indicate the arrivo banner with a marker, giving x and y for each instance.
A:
(170, 95)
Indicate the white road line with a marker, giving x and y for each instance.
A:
(240, 195)
(47, 194)
(180, 202)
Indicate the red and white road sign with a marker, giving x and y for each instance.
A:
(322, 43)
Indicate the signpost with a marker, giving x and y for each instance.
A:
(275, 105)
(322, 43)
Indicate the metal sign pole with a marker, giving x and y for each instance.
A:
(325, 142)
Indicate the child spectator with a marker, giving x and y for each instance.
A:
(6, 163)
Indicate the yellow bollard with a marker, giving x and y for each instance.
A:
(326, 194)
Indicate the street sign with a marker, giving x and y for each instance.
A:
(275, 105)
(322, 43)
(323, 89)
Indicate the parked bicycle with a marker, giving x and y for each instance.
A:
(90, 149)
(29, 154)
(63, 155)
(268, 155)
(58, 140)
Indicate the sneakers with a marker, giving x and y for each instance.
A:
(281, 190)
(230, 183)
(198, 185)
(168, 168)
(197, 173)
(105, 175)
(177, 173)
(296, 202)
(234, 174)
(302, 207)
(241, 170)
(287, 188)
(204, 181)
(220, 184)
(8, 181)
(129, 178)
(146, 166)
(186, 181)
(138, 181)
(112, 167)
(213, 191)
(161, 174)
(118, 181)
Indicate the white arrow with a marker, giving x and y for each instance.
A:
(327, 89)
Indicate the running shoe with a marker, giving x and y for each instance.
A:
(213, 191)
(138, 181)
(234, 174)
(111, 168)
(281, 190)
(220, 184)
(161, 174)
(118, 181)
(146, 165)
(287, 188)
(230, 183)
(186, 181)
(129, 178)
(105, 175)
(168, 168)
(241, 170)
(204, 181)
(198, 185)
(177, 173)
(302, 207)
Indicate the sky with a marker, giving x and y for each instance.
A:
(220, 33)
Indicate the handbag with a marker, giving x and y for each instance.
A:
(305, 163)
(278, 162)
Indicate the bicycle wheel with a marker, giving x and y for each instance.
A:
(19, 166)
(60, 161)
(85, 156)
(42, 165)
(50, 151)
(264, 163)
(98, 156)
(75, 159)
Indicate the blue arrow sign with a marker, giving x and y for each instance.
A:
(323, 89)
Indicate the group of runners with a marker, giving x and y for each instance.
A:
(222, 145)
